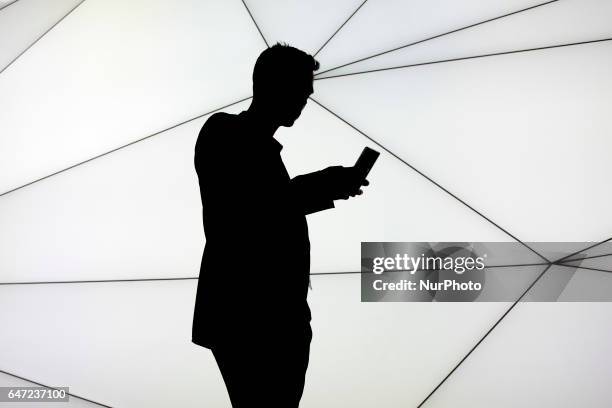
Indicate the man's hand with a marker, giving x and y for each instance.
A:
(343, 182)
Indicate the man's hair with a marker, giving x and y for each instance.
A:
(280, 63)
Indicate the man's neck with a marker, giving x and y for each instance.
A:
(263, 118)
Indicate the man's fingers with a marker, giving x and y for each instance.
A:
(350, 180)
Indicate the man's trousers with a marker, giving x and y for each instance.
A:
(266, 368)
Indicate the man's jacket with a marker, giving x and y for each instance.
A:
(255, 267)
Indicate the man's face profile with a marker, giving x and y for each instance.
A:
(282, 83)
(293, 96)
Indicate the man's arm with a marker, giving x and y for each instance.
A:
(317, 191)
(307, 191)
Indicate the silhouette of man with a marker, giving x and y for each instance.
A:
(251, 307)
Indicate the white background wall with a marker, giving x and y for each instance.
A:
(524, 138)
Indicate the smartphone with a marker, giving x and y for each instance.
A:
(366, 161)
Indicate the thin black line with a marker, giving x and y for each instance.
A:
(139, 279)
(8, 4)
(339, 28)
(255, 22)
(123, 146)
(41, 36)
(99, 281)
(495, 54)
(53, 388)
(430, 180)
(196, 277)
(427, 270)
(439, 35)
(483, 337)
(486, 267)
(582, 250)
(336, 273)
(584, 267)
(586, 257)
(515, 265)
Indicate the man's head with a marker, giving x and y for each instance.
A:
(282, 82)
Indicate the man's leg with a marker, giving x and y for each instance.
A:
(236, 370)
(291, 355)
(268, 372)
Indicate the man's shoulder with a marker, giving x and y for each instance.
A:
(216, 129)
(219, 121)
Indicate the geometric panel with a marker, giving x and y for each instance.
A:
(293, 21)
(510, 135)
(559, 22)
(23, 22)
(98, 337)
(113, 72)
(396, 351)
(122, 344)
(387, 24)
(14, 382)
(135, 213)
(541, 355)
(398, 205)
